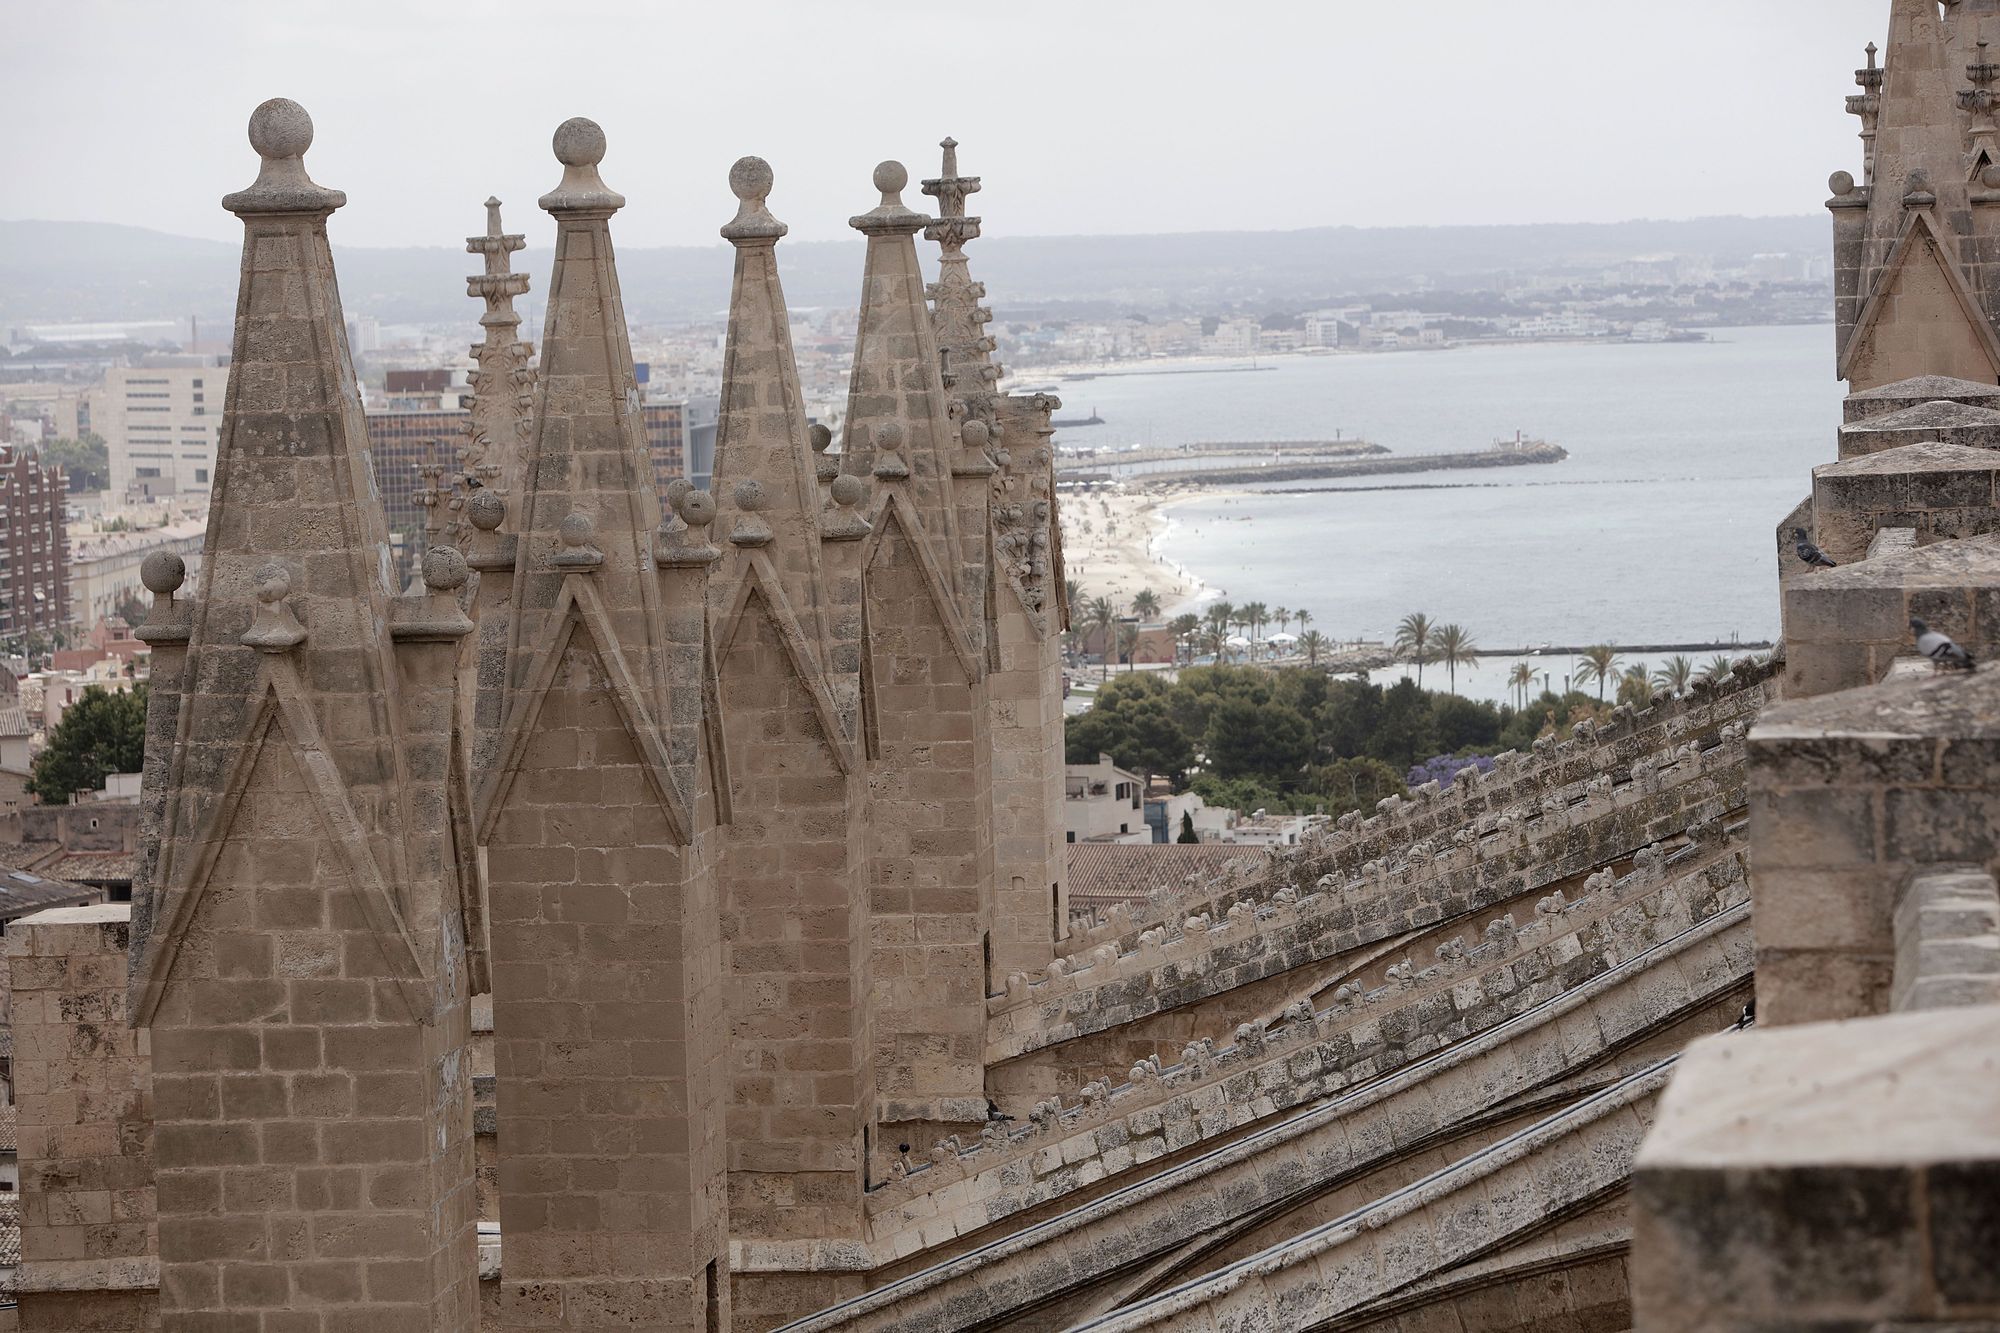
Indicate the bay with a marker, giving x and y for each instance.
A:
(1656, 529)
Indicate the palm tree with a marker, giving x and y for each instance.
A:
(1716, 668)
(1185, 627)
(1220, 617)
(1600, 663)
(1413, 642)
(1314, 643)
(1674, 674)
(1128, 640)
(1145, 604)
(1284, 618)
(1455, 649)
(1101, 618)
(1521, 678)
(1635, 687)
(1255, 614)
(1304, 618)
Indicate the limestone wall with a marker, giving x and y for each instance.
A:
(84, 1089)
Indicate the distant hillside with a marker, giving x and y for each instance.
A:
(57, 271)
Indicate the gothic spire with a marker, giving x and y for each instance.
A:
(503, 385)
(959, 316)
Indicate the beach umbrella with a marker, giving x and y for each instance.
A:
(1237, 641)
(1283, 637)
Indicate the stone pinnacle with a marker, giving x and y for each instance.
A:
(281, 131)
(750, 181)
(579, 146)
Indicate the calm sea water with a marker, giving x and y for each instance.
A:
(1657, 529)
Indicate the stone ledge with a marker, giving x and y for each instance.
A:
(54, 1275)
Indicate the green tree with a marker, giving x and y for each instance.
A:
(1314, 643)
(1674, 674)
(1187, 828)
(1635, 687)
(1600, 664)
(1521, 679)
(1455, 649)
(1413, 642)
(102, 732)
(1101, 618)
(1283, 615)
(1259, 740)
(1185, 627)
(1356, 784)
(1146, 604)
(1407, 731)
(1255, 614)
(1304, 618)
(1128, 642)
(1715, 669)
(87, 454)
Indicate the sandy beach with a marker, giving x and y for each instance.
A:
(1109, 546)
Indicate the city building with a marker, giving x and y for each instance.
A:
(34, 544)
(160, 421)
(1104, 803)
(104, 567)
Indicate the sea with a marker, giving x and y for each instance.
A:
(1683, 458)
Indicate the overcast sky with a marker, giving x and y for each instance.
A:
(1084, 116)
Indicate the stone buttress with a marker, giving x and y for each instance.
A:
(597, 815)
(1006, 458)
(794, 862)
(923, 705)
(304, 973)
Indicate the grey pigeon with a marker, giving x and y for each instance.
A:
(1939, 647)
(1809, 553)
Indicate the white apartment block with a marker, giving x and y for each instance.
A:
(160, 425)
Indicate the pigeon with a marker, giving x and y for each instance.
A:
(1939, 647)
(1809, 553)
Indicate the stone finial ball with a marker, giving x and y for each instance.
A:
(889, 435)
(974, 433)
(697, 508)
(848, 490)
(274, 583)
(891, 177)
(445, 569)
(486, 510)
(577, 528)
(579, 142)
(822, 438)
(280, 128)
(677, 490)
(1841, 182)
(162, 572)
(750, 178)
(749, 494)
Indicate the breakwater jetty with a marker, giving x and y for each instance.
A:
(1219, 469)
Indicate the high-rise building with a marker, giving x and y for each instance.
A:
(401, 441)
(160, 424)
(34, 547)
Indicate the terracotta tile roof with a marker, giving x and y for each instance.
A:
(25, 891)
(1103, 873)
(93, 867)
(10, 1225)
(29, 855)
(9, 1141)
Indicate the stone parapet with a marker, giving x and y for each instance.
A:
(1430, 884)
(1474, 987)
(1946, 422)
(1344, 1136)
(1825, 1176)
(1947, 942)
(1941, 491)
(1873, 404)
(1851, 796)
(1845, 626)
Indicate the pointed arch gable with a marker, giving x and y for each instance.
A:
(896, 511)
(579, 607)
(1919, 245)
(761, 582)
(283, 712)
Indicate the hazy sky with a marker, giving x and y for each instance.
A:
(1082, 115)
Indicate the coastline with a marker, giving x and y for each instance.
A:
(1120, 554)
